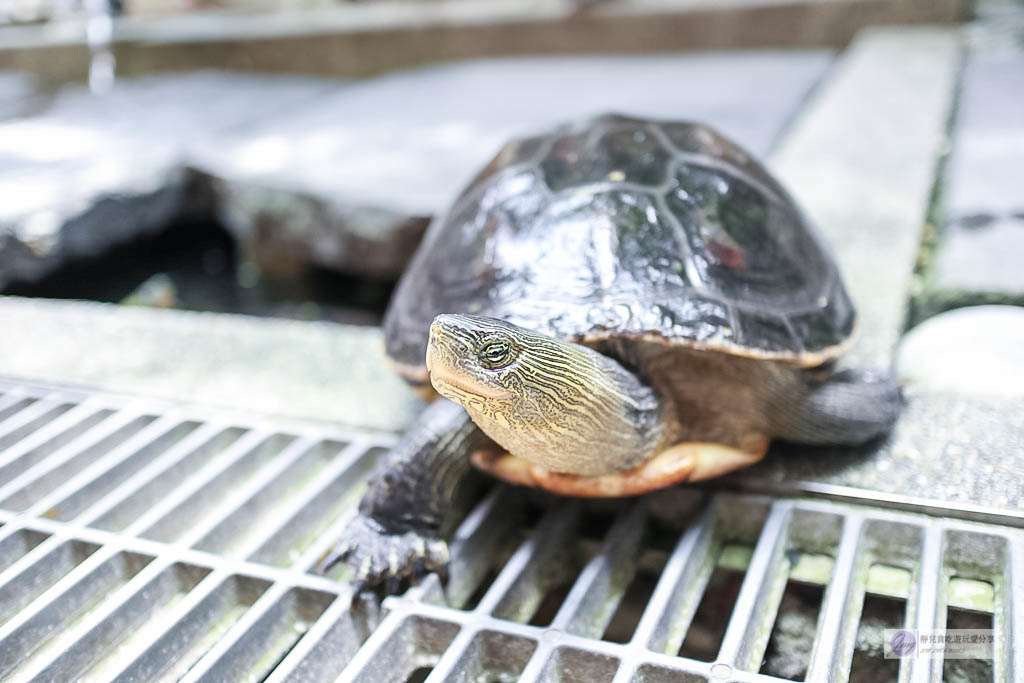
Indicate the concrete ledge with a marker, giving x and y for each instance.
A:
(318, 371)
(359, 40)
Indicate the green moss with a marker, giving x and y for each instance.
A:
(970, 594)
(893, 582)
(736, 557)
(811, 568)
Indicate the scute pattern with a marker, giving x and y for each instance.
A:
(626, 226)
(729, 225)
(628, 152)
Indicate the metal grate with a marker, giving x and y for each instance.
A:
(142, 541)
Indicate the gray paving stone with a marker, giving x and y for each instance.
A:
(978, 257)
(973, 350)
(987, 161)
(978, 261)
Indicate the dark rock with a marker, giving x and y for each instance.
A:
(47, 240)
(91, 173)
(284, 232)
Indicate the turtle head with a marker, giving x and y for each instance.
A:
(555, 403)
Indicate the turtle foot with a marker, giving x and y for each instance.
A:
(383, 562)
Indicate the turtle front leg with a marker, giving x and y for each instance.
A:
(411, 503)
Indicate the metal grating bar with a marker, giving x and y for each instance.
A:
(168, 642)
(593, 598)
(99, 478)
(746, 636)
(42, 425)
(666, 618)
(183, 551)
(928, 610)
(1015, 622)
(837, 624)
(12, 402)
(104, 427)
(76, 648)
(145, 480)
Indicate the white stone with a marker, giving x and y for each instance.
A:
(976, 350)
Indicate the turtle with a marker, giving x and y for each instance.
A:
(609, 308)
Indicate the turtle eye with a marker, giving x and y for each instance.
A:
(495, 354)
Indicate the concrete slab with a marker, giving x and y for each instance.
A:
(955, 454)
(318, 371)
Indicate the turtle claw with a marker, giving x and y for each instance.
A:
(339, 553)
(382, 562)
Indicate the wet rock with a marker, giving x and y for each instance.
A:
(284, 232)
(142, 205)
(91, 173)
(975, 350)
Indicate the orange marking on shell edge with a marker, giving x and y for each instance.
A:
(682, 462)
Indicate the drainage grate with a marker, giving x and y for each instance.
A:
(142, 541)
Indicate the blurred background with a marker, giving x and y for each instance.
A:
(210, 202)
(280, 157)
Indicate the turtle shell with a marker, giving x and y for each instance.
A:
(621, 227)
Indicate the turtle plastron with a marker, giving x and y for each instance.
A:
(691, 461)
